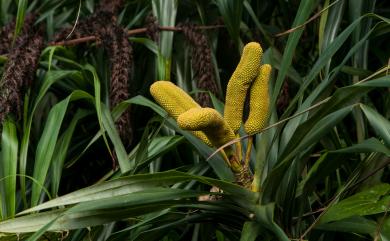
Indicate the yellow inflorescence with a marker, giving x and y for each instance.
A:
(259, 101)
(213, 129)
(202, 136)
(175, 101)
(238, 85)
(210, 122)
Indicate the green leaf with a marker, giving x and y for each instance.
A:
(45, 148)
(385, 230)
(260, 26)
(265, 216)
(320, 129)
(291, 127)
(333, 18)
(120, 151)
(62, 148)
(341, 98)
(3, 59)
(350, 225)
(165, 11)
(150, 44)
(8, 163)
(273, 57)
(374, 200)
(369, 145)
(155, 148)
(48, 141)
(231, 12)
(136, 183)
(310, 77)
(305, 8)
(328, 162)
(22, 7)
(309, 134)
(50, 78)
(107, 125)
(380, 124)
(250, 231)
(97, 212)
(4, 7)
(118, 199)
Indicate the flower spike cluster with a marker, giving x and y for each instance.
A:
(249, 75)
(205, 123)
(213, 129)
(247, 69)
(175, 101)
(258, 102)
(210, 122)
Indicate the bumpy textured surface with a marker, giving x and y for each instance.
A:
(19, 71)
(246, 71)
(7, 32)
(259, 101)
(175, 101)
(113, 38)
(210, 122)
(104, 15)
(201, 62)
(115, 42)
(152, 27)
(202, 136)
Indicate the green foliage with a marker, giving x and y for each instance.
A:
(372, 201)
(9, 155)
(321, 164)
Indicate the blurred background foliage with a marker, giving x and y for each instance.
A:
(85, 153)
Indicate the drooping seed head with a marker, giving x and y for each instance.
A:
(246, 71)
(259, 101)
(210, 122)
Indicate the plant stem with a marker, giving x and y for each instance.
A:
(129, 33)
